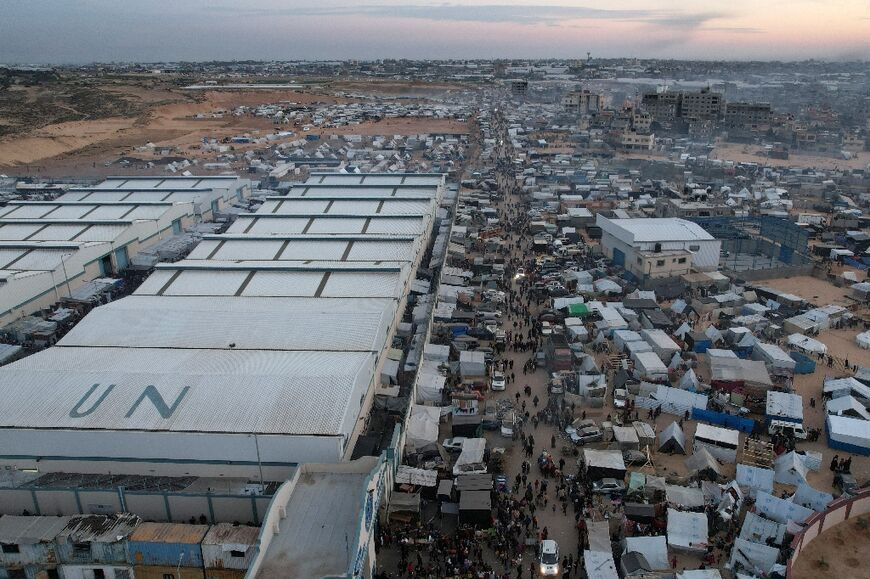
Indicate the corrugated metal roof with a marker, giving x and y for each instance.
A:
(230, 391)
(661, 229)
(249, 323)
(229, 534)
(100, 528)
(26, 530)
(169, 533)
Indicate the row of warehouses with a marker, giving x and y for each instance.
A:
(48, 249)
(253, 360)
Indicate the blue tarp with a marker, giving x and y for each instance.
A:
(803, 363)
(721, 419)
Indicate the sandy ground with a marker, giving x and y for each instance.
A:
(746, 154)
(838, 553)
(812, 289)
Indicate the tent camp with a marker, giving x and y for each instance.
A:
(423, 428)
(789, 469)
(863, 340)
(839, 387)
(687, 531)
(672, 439)
(752, 479)
(703, 465)
(808, 497)
(690, 381)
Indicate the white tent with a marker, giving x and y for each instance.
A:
(847, 406)
(687, 531)
(676, 361)
(700, 574)
(757, 529)
(752, 479)
(790, 469)
(851, 434)
(471, 456)
(807, 344)
(422, 428)
(780, 510)
(653, 549)
(684, 329)
(863, 340)
(687, 497)
(808, 497)
(689, 381)
(759, 560)
(599, 565)
(672, 439)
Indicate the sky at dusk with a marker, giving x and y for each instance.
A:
(79, 31)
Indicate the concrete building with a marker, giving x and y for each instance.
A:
(655, 248)
(582, 102)
(519, 88)
(320, 522)
(261, 351)
(682, 208)
(748, 115)
(704, 105)
(662, 106)
(631, 140)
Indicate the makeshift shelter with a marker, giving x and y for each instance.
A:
(471, 456)
(672, 439)
(757, 529)
(780, 510)
(807, 496)
(754, 558)
(690, 381)
(717, 353)
(599, 565)
(676, 362)
(720, 442)
(777, 360)
(639, 512)
(847, 406)
(672, 400)
(807, 344)
(702, 464)
(649, 366)
(849, 434)
(626, 437)
(603, 464)
(863, 340)
(475, 508)
(790, 469)
(687, 531)
(684, 497)
(598, 536)
(784, 406)
(646, 435)
(416, 476)
(474, 482)
(472, 364)
(405, 503)
(699, 574)
(729, 373)
(661, 343)
(622, 337)
(753, 479)
(633, 348)
(422, 428)
(653, 549)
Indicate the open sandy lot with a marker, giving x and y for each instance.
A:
(812, 289)
(837, 553)
(746, 154)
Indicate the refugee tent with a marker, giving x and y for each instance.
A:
(626, 437)
(690, 381)
(717, 353)
(699, 574)
(599, 565)
(807, 344)
(752, 479)
(703, 464)
(780, 510)
(757, 529)
(621, 337)
(774, 357)
(632, 348)
(653, 549)
(422, 428)
(808, 497)
(430, 383)
(403, 503)
(475, 508)
(863, 340)
(603, 464)
(650, 366)
(471, 456)
(661, 343)
(598, 536)
(714, 334)
(757, 559)
(416, 476)
(784, 406)
(684, 329)
(847, 406)
(672, 400)
(472, 364)
(720, 442)
(607, 286)
(675, 362)
(737, 372)
(645, 433)
(790, 469)
(685, 497)
(840, 387)
(436, 352)
(687, 531)
(849, 434)
(672, 439)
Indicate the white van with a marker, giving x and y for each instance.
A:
(785, 427)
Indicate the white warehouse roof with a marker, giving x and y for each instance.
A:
(654, 229)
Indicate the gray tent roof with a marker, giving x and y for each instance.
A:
(702, 460)
(672, 439)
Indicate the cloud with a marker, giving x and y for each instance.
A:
(495, 14)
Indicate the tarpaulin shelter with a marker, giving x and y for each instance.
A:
(422, 428)
(757, 559)
(687, 497)
(757, 529)
(780, 510)
(672, 439)
(475, 508)
(849, 434)
(808, 497)
(702, 464)
(753, 479)
(789, 469)
(653, 549)
(687, 531)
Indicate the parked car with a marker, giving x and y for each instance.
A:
(548, 558)
(608, 486)
(453, 444)
(585, 434)
(499, 382)
(620, 397)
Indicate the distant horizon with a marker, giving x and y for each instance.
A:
(60, 32)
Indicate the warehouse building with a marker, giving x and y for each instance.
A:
(259, 352)
(660, 247)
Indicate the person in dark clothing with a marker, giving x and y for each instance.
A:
(834, 463)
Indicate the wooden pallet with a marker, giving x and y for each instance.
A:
(757, 453)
